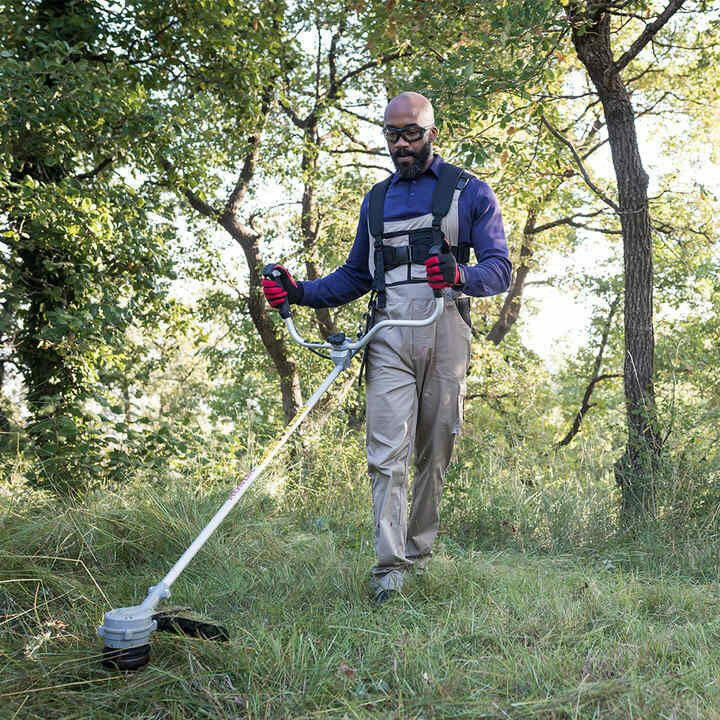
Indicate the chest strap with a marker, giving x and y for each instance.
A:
(424, 241)
(376, 217)
(394, 256)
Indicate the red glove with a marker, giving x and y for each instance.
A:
(442, 271)
(276, 294)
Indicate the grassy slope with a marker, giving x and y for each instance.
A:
(482, 634)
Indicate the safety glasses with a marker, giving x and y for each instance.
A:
(409, 133)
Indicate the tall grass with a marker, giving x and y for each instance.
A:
(534, 606)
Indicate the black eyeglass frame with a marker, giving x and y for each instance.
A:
(392, 134)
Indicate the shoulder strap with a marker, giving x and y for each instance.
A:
(450, 178)
(376, 210)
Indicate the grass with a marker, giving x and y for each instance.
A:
(508, 622)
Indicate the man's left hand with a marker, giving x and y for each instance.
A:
(442, 271)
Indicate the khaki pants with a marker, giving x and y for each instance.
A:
(415, 394)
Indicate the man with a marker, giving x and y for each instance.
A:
(409, 243)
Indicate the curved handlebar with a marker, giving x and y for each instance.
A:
(274, 272)
(365, 339)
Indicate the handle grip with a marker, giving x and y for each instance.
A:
(435, 250)
(271, 272)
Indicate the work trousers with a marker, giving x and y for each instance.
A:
(415, 394)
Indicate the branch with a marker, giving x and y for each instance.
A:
(586, 406)
(512, 304)
(595, 147)
(248, 169)
(365, 147)
(296, 119)
(360, 117)
(333, 90)
(264, 211)
(317, 60)
(693, 48)
(246, 175)
(635, 78)
(581, 166)
(96, 171)
(369, 167)
(595, 379)
(603, 230)
(651, 29)
(560, 221)
(357, 151)
(665, 228)
(197, 203)
(332, 60)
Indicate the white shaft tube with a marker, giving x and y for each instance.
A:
(249, 479)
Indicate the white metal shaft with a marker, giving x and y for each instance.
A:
(249, 479)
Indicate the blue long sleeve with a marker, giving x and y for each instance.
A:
(492, 273)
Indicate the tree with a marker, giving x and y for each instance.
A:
(591, 35)
(80, 253)
(240, 121)
(512, 70)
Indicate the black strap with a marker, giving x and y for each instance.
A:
(369, 318)
(376, 219)
(395, 256)
(376, 211)
(450, 178)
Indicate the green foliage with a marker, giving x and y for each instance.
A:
(106, 110)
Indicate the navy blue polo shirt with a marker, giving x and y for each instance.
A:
(480, 225)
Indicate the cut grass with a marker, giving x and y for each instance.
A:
(482, 634)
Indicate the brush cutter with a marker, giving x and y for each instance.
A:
(126, 631)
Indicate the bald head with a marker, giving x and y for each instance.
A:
(408, 108)
(410, 133)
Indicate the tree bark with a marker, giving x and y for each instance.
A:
(635, 470)
(309, 225)
(513, 300)
(257, 307)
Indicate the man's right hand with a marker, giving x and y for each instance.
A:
(287, 289)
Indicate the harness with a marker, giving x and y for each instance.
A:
(422, 242)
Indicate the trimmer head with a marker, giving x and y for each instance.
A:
(126, 632)
(127, 659)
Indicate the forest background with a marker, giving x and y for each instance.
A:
(154, 158)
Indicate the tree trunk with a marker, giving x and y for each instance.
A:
(247, 239)
(258, 309)
(635, 470)
(513, 300)
(308, 224)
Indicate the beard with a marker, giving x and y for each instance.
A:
(417, 166)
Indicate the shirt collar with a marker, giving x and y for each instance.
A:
(434, 169)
